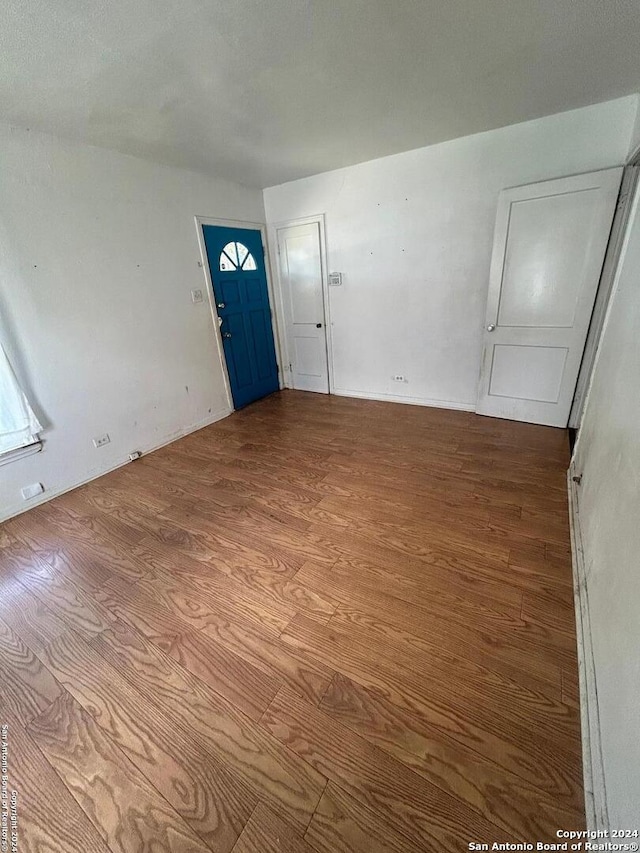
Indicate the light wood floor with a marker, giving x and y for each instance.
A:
(321, 624)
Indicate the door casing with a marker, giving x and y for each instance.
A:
(273, 251)
(544, 336)
(630, 178)
(204, 265)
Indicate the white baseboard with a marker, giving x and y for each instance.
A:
(18, 509)
(412, 401)
(595, 792)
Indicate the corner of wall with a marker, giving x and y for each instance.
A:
(18, 508)
(634, 144)
(595, 794)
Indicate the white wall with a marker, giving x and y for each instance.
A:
(98, 257)
(608, 456)
(635, 133)
(412, 234)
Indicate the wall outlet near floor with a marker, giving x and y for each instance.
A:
(32, 490)
(399, 377)
(101, 440)
(196, 296)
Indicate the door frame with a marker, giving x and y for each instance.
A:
(203, 263)
(500, 238)
(628, 184)
(273, 228)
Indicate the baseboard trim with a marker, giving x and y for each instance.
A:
(18, 509)
(595, 793)
(411, 401)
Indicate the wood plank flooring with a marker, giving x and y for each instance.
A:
(322, 625)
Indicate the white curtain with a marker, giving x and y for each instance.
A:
(18, 424)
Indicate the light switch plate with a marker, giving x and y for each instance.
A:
(196, 296)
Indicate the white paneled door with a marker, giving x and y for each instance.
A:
(548, 249)
(300, 261)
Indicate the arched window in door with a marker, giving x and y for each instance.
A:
(236, 256)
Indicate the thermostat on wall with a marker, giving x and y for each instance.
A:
(335, 279)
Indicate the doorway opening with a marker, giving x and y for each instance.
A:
(242, 309)
(549, 246)
(304, 303)
(607, 278)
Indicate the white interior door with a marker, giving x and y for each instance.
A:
(548, 249)
(300, 261)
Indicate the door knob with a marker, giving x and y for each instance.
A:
(490, 327)
(226, 334)
(219, 304)
(318, 325)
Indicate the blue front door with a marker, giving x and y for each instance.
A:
(236, 261)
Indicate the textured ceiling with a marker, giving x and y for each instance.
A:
(265, 91)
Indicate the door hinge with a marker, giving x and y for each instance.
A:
(577, 479)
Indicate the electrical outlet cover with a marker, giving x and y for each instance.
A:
(32, 490)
